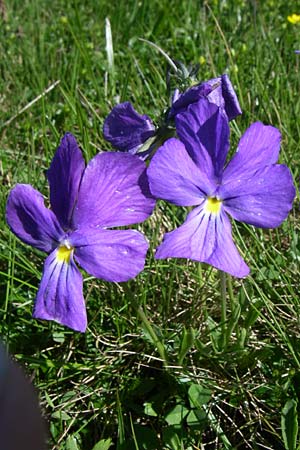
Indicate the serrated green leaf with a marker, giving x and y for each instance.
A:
(289, 424)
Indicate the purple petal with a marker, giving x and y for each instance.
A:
(258, 147)
(30, 220)
(114, 192)
(217, 90)
(225, 97)
(205, 132)
(173, 176)
(195, 239)
(113, 255)
(180, 102)
(264, 199)
(226, 256)
(205, 237)
(60, 295)
(64, 178)
(126, 129)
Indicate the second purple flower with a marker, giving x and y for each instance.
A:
(192, 171)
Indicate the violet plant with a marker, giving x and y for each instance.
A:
(112, 191)
(192, 171)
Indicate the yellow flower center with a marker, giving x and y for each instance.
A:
(213, 205)
(64, 253)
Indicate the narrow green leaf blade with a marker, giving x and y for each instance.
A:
(289, 424)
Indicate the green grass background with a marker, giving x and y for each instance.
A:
(107, 388)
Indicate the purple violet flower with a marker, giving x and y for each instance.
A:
(217, 90)
(111, 191)
(126, 129)
(252, 187)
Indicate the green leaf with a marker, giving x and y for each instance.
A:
(148, 409)
(236, 314)
(289, 424)
(49, 401)
(121, 426)
(146, 438)
(171, 439)
(60, 415)
(104, 444)
(58, 337)
(109, 46)
(186, 343)
(214, 332)
(71, 443)
(253, 313)
(197, 418)
(198, 396)
(176, 415)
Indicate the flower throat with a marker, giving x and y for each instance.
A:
(213, 205)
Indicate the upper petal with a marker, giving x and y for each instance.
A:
(206, 238)
(217, 90)
(173, 176)
(180, 102)
(30, 220)
(64, 176)
(225, 97)
(263, 199)
(126, 129)
(258, 147)
(60, 296)
(113, 255)
(114, 192)
(204, 130)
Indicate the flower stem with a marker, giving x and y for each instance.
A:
(230, 292)
(223, 308)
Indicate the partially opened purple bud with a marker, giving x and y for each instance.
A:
(129, 131)
(112, 191)
(217, 90)
(126, 129)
